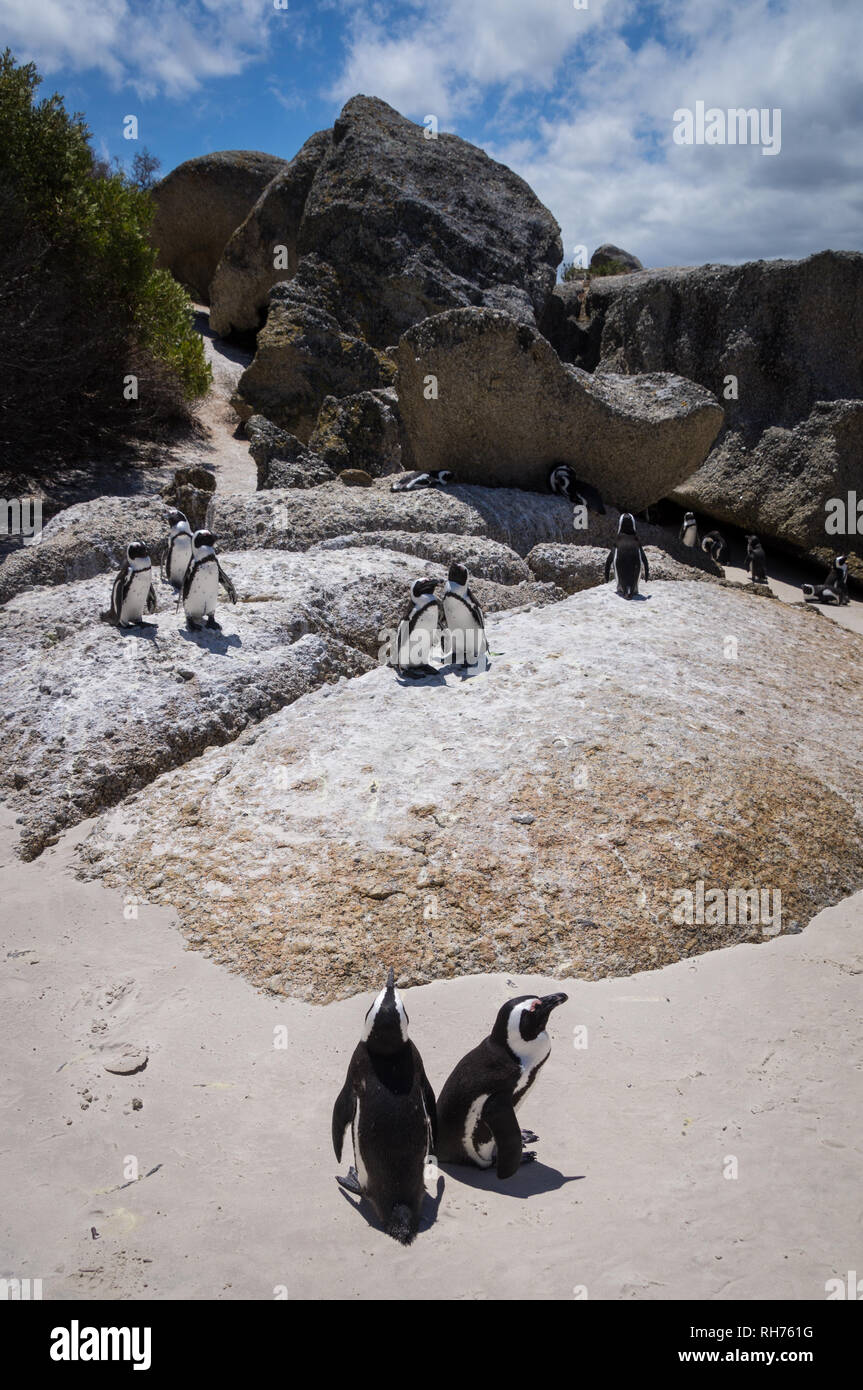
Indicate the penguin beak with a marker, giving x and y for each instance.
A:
(391, 979)
(549, 1002)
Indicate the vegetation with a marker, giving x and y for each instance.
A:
(82, 306)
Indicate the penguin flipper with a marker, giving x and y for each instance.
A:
(226, 584)
(151, 599)
(343, 1115)
(501, 1119)
(430, 1105)
(608, 563)
(644, 563)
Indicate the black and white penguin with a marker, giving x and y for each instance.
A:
(133, 590)
(627, 558)
(756, 560)
(418, 631)
(179, 552)
(477, 1107)
(715, 545)
(201, 583)
(464, 620)
(413, 482)
(390, 1106)
(835, 586)
(563, 481)
(689, 530)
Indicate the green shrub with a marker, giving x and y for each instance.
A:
(82, 305)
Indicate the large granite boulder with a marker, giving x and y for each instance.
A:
(360, 431)
(200, 204)
(543, 818)
(787, 332)
(485, 559)
(611, 260)
(503, 407)
(576, 567)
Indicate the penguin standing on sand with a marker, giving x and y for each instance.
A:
(133, 590)
(562, 480)
(418, 630)
(835, 586)
(689, 531)
(477, 1107)
(201, 583)
(756, 560)
(414, 482)
(179, 552)
(390, 1106)
(715, 545)
(627, 558)
(464, 620)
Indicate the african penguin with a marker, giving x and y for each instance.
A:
(464, 620)
(418, 630)
(133, 590)
(715, 545)
(477, 1107)
(432, 477)
(201, 583)
(756, 560)
(179, 551)
(390, 1106)
(835, 586)
(562, 480)
(626, 558)
(689, 530)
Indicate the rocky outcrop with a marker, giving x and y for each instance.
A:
(280, 458)
(485, 559)
(394, 227)
(781, 486)
(295, 520)
(505, 407)
(609, 259)
(360, 431)
(198, 207)
(576, 567)
(777, 341)
(191, 490)
(538, 819)
(92, 713)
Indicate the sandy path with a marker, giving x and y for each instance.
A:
(226, 455)
(751, 1052)
(786, 579)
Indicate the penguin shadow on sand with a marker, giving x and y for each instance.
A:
(531, 1180)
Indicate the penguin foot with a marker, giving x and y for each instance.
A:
(195, 627)
(351, 1183)
(529, 1156)
(213, 625)
(417, 673)
(528, 1137)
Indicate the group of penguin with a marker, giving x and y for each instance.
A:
(398, 1127)
(833, 590)
(189, 565)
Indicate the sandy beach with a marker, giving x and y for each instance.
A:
(748, 1054)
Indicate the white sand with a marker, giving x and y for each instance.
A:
(752, 1051)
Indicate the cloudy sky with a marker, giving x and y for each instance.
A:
(578, 96)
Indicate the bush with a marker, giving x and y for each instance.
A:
(82, 306)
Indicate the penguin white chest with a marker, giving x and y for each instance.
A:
(136, 597)
(181, 554)
(203, 590)
(690, 535)
(531, 1055)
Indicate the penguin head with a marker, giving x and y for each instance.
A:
(751, 542)
(841, 561)
(458, 577)
(626, 525)
(443, 475)
(204, 540)
(386, 1025)
(689, 519)
(178, 521)
(137, 556)
(421, 588)
(523, 1019)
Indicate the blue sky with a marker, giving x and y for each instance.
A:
(579, 101)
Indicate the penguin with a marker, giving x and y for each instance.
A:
(464, 620)
(432, 477)
(562, 480)
(835, 586)
(477, 1107)
(390, 1106)
(133, 591)
(716, 546)
(756, 560)
(627, 558)
(201, 583)
(689, 531)
(418, 630)
(179, 551)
